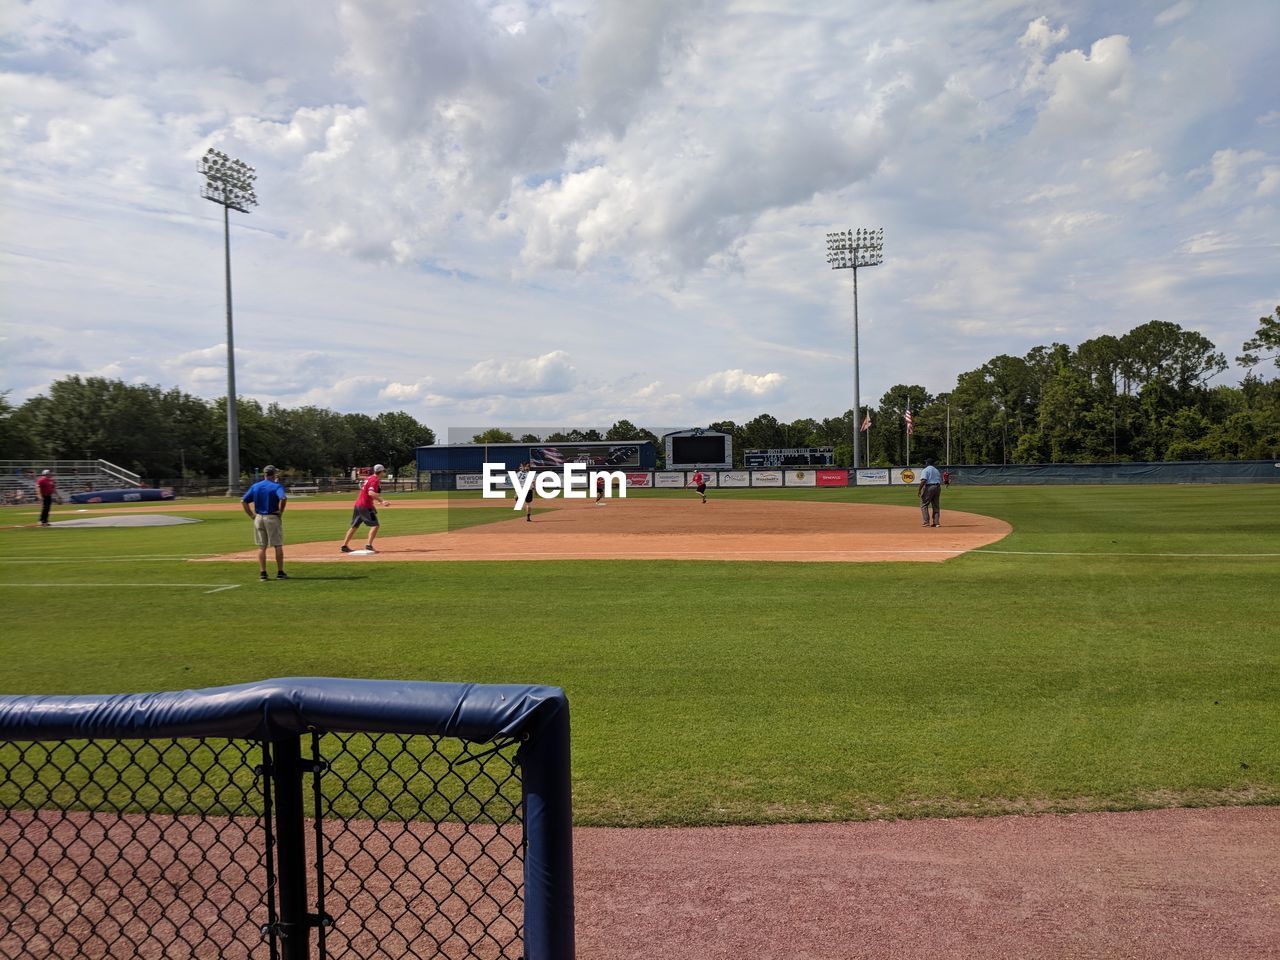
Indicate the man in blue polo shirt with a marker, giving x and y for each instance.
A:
(264, 503)
(930, 493)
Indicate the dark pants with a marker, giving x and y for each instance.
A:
(929, 498)
(44, 510)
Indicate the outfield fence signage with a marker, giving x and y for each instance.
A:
(469, 481)
(296, 818)
(735, 478)
(833, 478)
(875, 477)
(669, 478)
(766, 478)
(801, 478)
(639, 479)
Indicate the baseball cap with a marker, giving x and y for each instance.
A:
(45, 473)
(379, 468)
(269, 470)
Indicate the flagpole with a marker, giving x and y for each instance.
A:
(908, 463)
(867, 461)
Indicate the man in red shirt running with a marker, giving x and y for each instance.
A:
(364, 511)
(46, 487)
(699, 482)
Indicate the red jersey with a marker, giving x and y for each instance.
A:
(699, 478)
(45, 485)
(368, 490)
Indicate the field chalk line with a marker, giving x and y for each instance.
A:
(217, 587)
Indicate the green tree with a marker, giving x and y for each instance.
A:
(1267, 339)
(16, 442)
(493, 435)
(402, 435)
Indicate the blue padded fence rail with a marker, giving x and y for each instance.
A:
(287, 707)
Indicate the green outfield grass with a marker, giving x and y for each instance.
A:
(1120, 649)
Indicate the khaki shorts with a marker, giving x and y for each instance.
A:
(268, 531)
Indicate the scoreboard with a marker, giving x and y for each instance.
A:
(790, 457)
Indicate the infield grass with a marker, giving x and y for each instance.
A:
(1120, 649)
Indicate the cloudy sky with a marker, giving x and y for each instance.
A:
(567, 212)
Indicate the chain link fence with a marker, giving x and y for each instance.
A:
(341, 844)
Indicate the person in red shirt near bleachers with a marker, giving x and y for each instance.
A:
(47, 489)
(364, 511)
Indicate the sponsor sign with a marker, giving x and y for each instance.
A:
(907, 475)
(468, 481)
(735, 478)
(833, 478)
(801, 478)
(639, 479)
(668, 478)
(873, 477)
(766, 478)
(594, 455)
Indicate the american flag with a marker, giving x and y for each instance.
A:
(907, 417)
(545, 457)
(866, 422)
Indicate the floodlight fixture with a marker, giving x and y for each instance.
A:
(229, 183)
(849, 250)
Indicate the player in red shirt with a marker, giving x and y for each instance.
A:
(364, 511)
(47, 488)
(699, 482)
(600, 491)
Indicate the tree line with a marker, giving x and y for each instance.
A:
(1145, 395)
(165, 434)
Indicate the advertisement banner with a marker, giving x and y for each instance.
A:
(833, 478)
(594, 455)
(874, 477)
(469, 481)
(639, 479)
(668, 478)
(801, 478)
(766, 478)
(735, 478)
(907, 475)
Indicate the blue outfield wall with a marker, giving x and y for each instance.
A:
(1174, 471)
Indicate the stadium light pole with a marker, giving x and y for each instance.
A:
(229, 183)
(849, 250)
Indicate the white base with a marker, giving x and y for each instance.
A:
(360, 553)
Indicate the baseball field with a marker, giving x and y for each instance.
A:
(1110, 649)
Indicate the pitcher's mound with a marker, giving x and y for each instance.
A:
(125, 520)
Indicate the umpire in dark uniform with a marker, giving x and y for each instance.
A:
(930, 493)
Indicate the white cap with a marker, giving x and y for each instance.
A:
(45, 473)
(379, 468)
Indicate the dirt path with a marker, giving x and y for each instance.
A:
(1193, 884)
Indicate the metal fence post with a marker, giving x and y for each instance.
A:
(291, 867)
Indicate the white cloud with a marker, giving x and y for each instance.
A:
(739, 383)
(550, 373)
(1174, 13)
(1088, 92)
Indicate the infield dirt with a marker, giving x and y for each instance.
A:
(685, 529)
